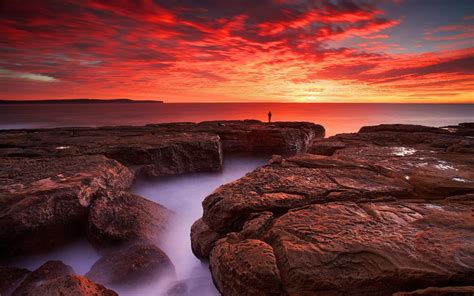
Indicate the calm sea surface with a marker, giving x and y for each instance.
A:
(337, 118)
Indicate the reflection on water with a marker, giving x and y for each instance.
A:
(183, 194)
(336, 118)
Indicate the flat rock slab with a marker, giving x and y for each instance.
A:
(384, 210)
(44, 202)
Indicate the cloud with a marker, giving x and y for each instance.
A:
(4, 73)
(212, 49)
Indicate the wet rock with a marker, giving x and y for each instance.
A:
(202, 239)
(131, 266)
(48, 271)
(245, 267)
(444, 291)
(118, 217)
(71, 285)
(44, 202)
(10, 278)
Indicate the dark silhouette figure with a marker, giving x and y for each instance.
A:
(269, 116)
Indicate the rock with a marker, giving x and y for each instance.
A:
(48, 271)
(245, 267)
(341, 247)
(44, 202)
(389, 209)
(73, 285)
(131, 266)
(202, 239)
(444, 291)
(118, 217)
(257, 137)
(403, 128)
(10, 278)
(303, 181)
(178, 289)
(163, 149)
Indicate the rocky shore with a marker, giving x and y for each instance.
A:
(60, 184)
(385, 210)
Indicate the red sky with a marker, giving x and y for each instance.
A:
(220, 51)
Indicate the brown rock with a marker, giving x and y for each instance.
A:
(390, 210)
(202, 239)
(131, 265)
(71, 285)
(10, 278)
(44, 202)
(48, 271)
(246, 267)
(373, 248)
(120, 217)
(444, 291)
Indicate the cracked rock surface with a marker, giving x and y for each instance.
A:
(388, 209)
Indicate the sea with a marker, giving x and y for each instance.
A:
(335, 117)
(183, 194)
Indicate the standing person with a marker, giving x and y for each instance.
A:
(269, 116)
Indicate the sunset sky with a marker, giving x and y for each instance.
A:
(245, 51)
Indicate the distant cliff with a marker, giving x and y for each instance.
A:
(79, 101)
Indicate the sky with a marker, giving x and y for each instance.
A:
(401, 51)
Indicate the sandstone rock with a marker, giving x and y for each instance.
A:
(10, 278)
(245, 267)
(132, 265)
(163, 149)
(73, 285)
(389, 210)
(120, 217)
(444, 291)
(48, 271)
(373, 248)
(202, 239)
(44, 202)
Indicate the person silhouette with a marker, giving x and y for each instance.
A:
(269, 116)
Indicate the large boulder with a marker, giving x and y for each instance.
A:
(11, 278)
(71, 285)
(48, 271)
(131, 266)
(119, 217)
(45, 202)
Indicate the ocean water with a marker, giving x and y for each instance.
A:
(336, 118)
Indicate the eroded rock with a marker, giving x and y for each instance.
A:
(119, 217)
(71, 285)
(384, 210)
(48, 271)
(132, 265)
(44, 202)
(11, 278)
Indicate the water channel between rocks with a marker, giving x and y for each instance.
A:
(182, 194)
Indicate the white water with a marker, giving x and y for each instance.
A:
(182, 194)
